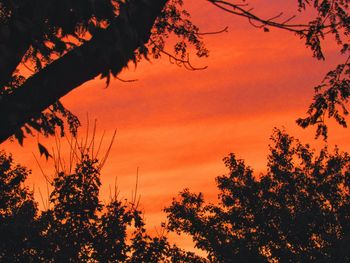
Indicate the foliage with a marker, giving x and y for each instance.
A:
(330, 100)
(76, 227)
(44, 31)
(36, 33)
(298, 211)
(17, 212)
(325, 18)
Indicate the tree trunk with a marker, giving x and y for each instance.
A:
(112, 49)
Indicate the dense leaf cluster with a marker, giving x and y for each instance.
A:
(33, 34)
(330, 100)
(332, 95)
(76, 227)
(322, 19)
(332, 18)
(298, 211)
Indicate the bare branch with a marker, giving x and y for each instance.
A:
(178, 61)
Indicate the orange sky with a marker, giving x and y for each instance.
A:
(177, 125)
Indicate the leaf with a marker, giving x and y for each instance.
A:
(44, 151)
(19, 135)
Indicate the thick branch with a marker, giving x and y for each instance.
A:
(111, 49)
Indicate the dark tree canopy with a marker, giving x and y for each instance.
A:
(328, 18)
(69, 43)
(76, 226)
(298, 211)
(17, 212)
(66, 43)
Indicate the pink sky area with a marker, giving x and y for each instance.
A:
(177, 125)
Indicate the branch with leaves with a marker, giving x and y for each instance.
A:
(331, 19)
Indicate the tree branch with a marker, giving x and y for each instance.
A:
(109, 51)
(240, 10)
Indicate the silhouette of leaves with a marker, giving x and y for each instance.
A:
(298, 211)
(330, 100)
(37, 33)
(44, 151)
(76, 227)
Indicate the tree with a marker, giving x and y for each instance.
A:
(101, 37)
(331, 18)
(17, 212)
(298, 211)
(98, 38)
(76, 226)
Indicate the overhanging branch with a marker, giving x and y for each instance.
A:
(110, 50)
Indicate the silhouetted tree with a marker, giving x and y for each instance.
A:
(77, 227)
(17, 213)
(298, 211)
(327, 17)
(72, 226)
(67, 43)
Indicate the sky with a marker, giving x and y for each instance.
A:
(175, 126)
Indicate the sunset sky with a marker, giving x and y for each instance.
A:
(177, 125)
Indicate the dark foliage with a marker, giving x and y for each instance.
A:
(332, 95)
(330, 100)
(17, 212)
(43, 42)
(298, 211)
(327, 18)
(77, 227)
(34, 34)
